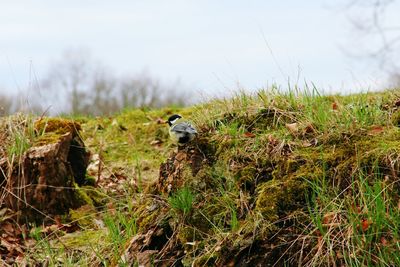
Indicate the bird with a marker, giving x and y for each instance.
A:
(180, 132)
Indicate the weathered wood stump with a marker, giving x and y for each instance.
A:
(44, 181)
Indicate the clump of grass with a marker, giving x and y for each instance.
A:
(18, 134)
(120, 227)
(357, 226)
(182, 200)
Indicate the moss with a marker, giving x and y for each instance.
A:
(255, 173)
(207, 259)
(146, 220)
(277, 198)
(50, 130)
(96, 195)
(268, 195)
(139, 149)
(395, 118)
(146, 215)
(57, 125)
(247, 180)
(81, 196)
(189, 234)
(200, 219)
(83, 240)
(83, 216)
(90, 180)
(47, 138)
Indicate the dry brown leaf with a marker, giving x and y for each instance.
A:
(30, 243)
(328, 217)
(309, 129)
(375, 130)
(306, 144)
(365, 223)
(293, 127)
(272, 139)
(312, 142)
(155, 142)
(384, 241)
(249, 135)
(8, 228)
(57, 219)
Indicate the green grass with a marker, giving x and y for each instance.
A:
(182, 201)
(290, 177)
(121, 228)
(358, 227)
(18, 134)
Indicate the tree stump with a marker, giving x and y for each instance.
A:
(44, 181)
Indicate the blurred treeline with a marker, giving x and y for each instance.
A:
(77, 84)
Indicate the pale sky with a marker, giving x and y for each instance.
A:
(209, 45)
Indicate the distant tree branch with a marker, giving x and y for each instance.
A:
(383, 39)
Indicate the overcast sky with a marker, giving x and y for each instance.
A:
(209, 45)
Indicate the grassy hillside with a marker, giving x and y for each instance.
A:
(273, 179)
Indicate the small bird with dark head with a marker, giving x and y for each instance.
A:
(180, 132)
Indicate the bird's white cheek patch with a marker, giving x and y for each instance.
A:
(172, 122)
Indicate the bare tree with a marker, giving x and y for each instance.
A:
(139, 92)
(102, 97)
(90, 88)
(69, 78)
(379, 36)
(143, 90)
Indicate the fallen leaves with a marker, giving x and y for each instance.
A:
(249, 135)
(329, 218)
(16, 239)
(384, 241)
(293, 127)
(301, 130)
(365, 224)
(375, 130)
(335, 106)
(12, 241)
(310, 143)
(156, 143)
